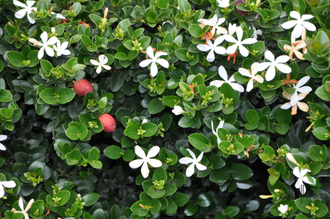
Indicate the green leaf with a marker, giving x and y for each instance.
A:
(90, 199)
(191, 209)
(5, 95)
(184, 6)
(132, 131)
(64, 196)
(113, 152)
(220, 175)
(163, 4)
(73, 157)
(16, 59)
(155, 106)
(180, 199)
(231, 211)
(195, 30)
(241, 172)
(138, 210)
(322, 93)
(199, 141)
(48, 95)
(204, 200)
(65, 95)
(160, 174)
(252, 117)
(322, 133)
(150, 129)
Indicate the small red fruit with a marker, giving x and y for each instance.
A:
(82, 86)
(239, 11)
(108, 122)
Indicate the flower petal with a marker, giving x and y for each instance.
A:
(30, 19)
(20, 203)
(192, 154)
(44, 37)
(282, 59)
(20, 14)
(283, 68)
(2, 191)
(264, 65)
(296, 172)
(98, 69)
(309, 26)
(8, 184)
(217, 83)
(230, 39)
(3, 137)
(190, 170)
(200, 157)
(295, 14)
(220, 50)
(203, 47)
(303, 106)
(270, 73)
(306, 180)
(19, 4)
(150, 52)
(155, 163)
(145, 170)
(259, 79)
(186, 160)
(145, 63)
(249, 41)
(94, 62)
(302, 81)
(163, 62)
(289, 24)
(153, 69)
(103, 59)
(286, 106)
(107, 67)
(269, 56)
(136, 163)
(153, 151)
(244, 72)
(210, 57)
(249, 86)
(2, 147)
(49, 51)
(200, 167)
(41, 53)
(158, 54)
(231, 49)
(223, 73)
(243, 51)
(139, 151)
(239, 33)
(237, 87)
(302, 188)
(52, 40)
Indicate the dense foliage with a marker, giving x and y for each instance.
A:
(164, 109)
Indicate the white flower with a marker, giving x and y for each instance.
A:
(215, 24)
(252, 75)
(213, 48)
(223, 74)
(294, 49)
(7, 184)
(45, 45)
(301, 174)
(177, 110)
(278, 63)
(223, 3)
(27, 9)
(23, 211)
(102, 64)
(239, 43)
(256, 32)
(144, 121)
(145, 160)
(61, 49)
(302, 106)
(283, 208)
(232, 29)
(153, 60)
(58, 16)
(300, 89)
(194, 162)
(2, 138)
(300, 24)
(216, 130)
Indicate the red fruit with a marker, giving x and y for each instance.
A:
(82, 86)
(108, 122)
(239, 11)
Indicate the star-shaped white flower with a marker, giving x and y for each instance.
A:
(177, 110)
(278, 63)
(221, 123)
(223, 3)
(2, 138)
(21, 205)
(153, 60)
(301, 174)
(302, 106)
(61, 49)
(283, 208)
(213, 48)
(145, 160)
(45, 45)
(215, 24)
(239, 43)
(194, 162)
(27, 9)
(101, 64)
(301, 89)
(252, 75)
(223, 74)
(300, 24)
(7, 184)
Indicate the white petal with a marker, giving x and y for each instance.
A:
(98, 69)
(30, 19)
(231, 49)
(145, 170)
(153, 69)
(249, 86)
(2, 147)
(139, 151)
(302, 81)
(254, 68)
(49, 51)
(244, 72)
(103, 59)
(192, 154)
(186, 160)
(210, 57)
(203, 47)
(296, 172)
(200, 157)
(220, 50)
(289, 24)
(155, 163)
(243, 51)
(237, 87)
(294, 99)
(200, 167)
(295, 14)
(9, 184)
(270, 73)
(30, 3)
(230, 39)
(264, 65)
(297, 31)
(3, 137)
(153, 151)
(145, 63)
(269, 56)
(259, 79)
(286, 106)
(306, 180)
(306, 17)
(41, 53)
(218, 40)
(302, 189)
(20, 14)
(190, 170)
(52, 40)
(107, 67)
(239, 33)
(158, 54)
(223, 73)
(20, 203)
(44, 37)
(283, 68)
(19, 4)
(150, 52)
(94, 62)
(163, 62)
(309, 26)
(136, 163)
(217, 83)
(282, 59)
(249, 41)
(2, 191)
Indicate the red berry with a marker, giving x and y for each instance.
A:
(82, 86)
(239, 11)
(108, 122)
